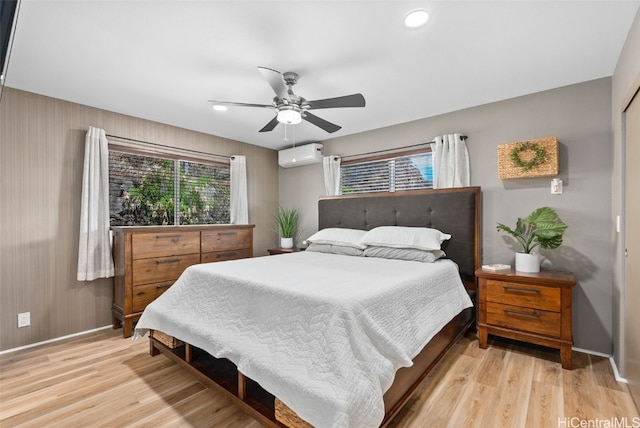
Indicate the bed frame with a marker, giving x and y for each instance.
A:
(454, 211)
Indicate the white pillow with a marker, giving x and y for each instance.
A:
(421, 238)
(339, 236)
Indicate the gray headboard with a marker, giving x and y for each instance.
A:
(454, 211)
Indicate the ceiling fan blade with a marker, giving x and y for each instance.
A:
(355, 100)
(230, 103)
(271, 125)
(275, 80)
(321, 123)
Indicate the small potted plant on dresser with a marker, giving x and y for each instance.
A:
(542, 228)
(287, 225)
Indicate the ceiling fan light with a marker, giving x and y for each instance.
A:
(289, 116)
(219, 107)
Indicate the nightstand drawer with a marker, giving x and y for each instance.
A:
(526, 295)
(524, 319)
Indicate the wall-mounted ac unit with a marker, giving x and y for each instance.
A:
(301, 155)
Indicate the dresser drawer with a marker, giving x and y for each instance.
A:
(225, 239)
(161, 268)
(219, 256)
(163, 244)
(145, 294)
(524, 319)
(530, 296)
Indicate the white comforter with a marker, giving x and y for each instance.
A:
(324, 333)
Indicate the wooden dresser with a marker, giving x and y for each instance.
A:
(531, 307)
(148, 260)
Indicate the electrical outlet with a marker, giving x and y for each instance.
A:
(556, 186)
(24, 319)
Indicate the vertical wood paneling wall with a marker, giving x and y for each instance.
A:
(41, 160)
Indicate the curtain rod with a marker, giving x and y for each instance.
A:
(168, 147)
(463, 137)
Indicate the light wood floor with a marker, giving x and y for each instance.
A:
(103, 380)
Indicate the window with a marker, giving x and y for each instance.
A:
(143, 190)
(397, 172)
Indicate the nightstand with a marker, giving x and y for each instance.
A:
(273, 251)
(531, 307)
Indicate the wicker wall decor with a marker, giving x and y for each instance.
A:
(526, 159)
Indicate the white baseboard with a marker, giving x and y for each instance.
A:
(616, 372)
(8, 351)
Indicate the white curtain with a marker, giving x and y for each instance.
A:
(239, 201)
(331, 166)
(450, 162)
(94, 249)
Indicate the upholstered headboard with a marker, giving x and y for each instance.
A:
(453, 211)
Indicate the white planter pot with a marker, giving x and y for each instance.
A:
(286, 242)
(527, 262)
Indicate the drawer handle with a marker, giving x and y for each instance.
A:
(168, 236)
(227, 233)
(162, 262)
(524, 314)
(522, 290)
(163, 286)
(228, 254)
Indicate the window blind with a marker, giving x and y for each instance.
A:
(397, 172)
(150, 190)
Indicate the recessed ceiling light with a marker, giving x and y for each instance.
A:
(416, 18)
(218, 107)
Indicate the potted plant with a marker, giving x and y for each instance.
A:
(542, 228)
(287, 225)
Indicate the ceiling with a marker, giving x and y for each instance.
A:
(163, 60)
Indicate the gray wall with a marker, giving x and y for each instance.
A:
(580, 116)
(41, 160)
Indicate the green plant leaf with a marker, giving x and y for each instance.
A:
(542, 215)
(287, 222)
(541, 228)
(550, 243)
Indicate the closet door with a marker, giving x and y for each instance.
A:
(632, 249)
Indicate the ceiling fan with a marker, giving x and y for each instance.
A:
(293, 109)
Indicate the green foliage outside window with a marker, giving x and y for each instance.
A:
(151, 201)
(143, 191)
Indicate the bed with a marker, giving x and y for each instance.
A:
(333, 339)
